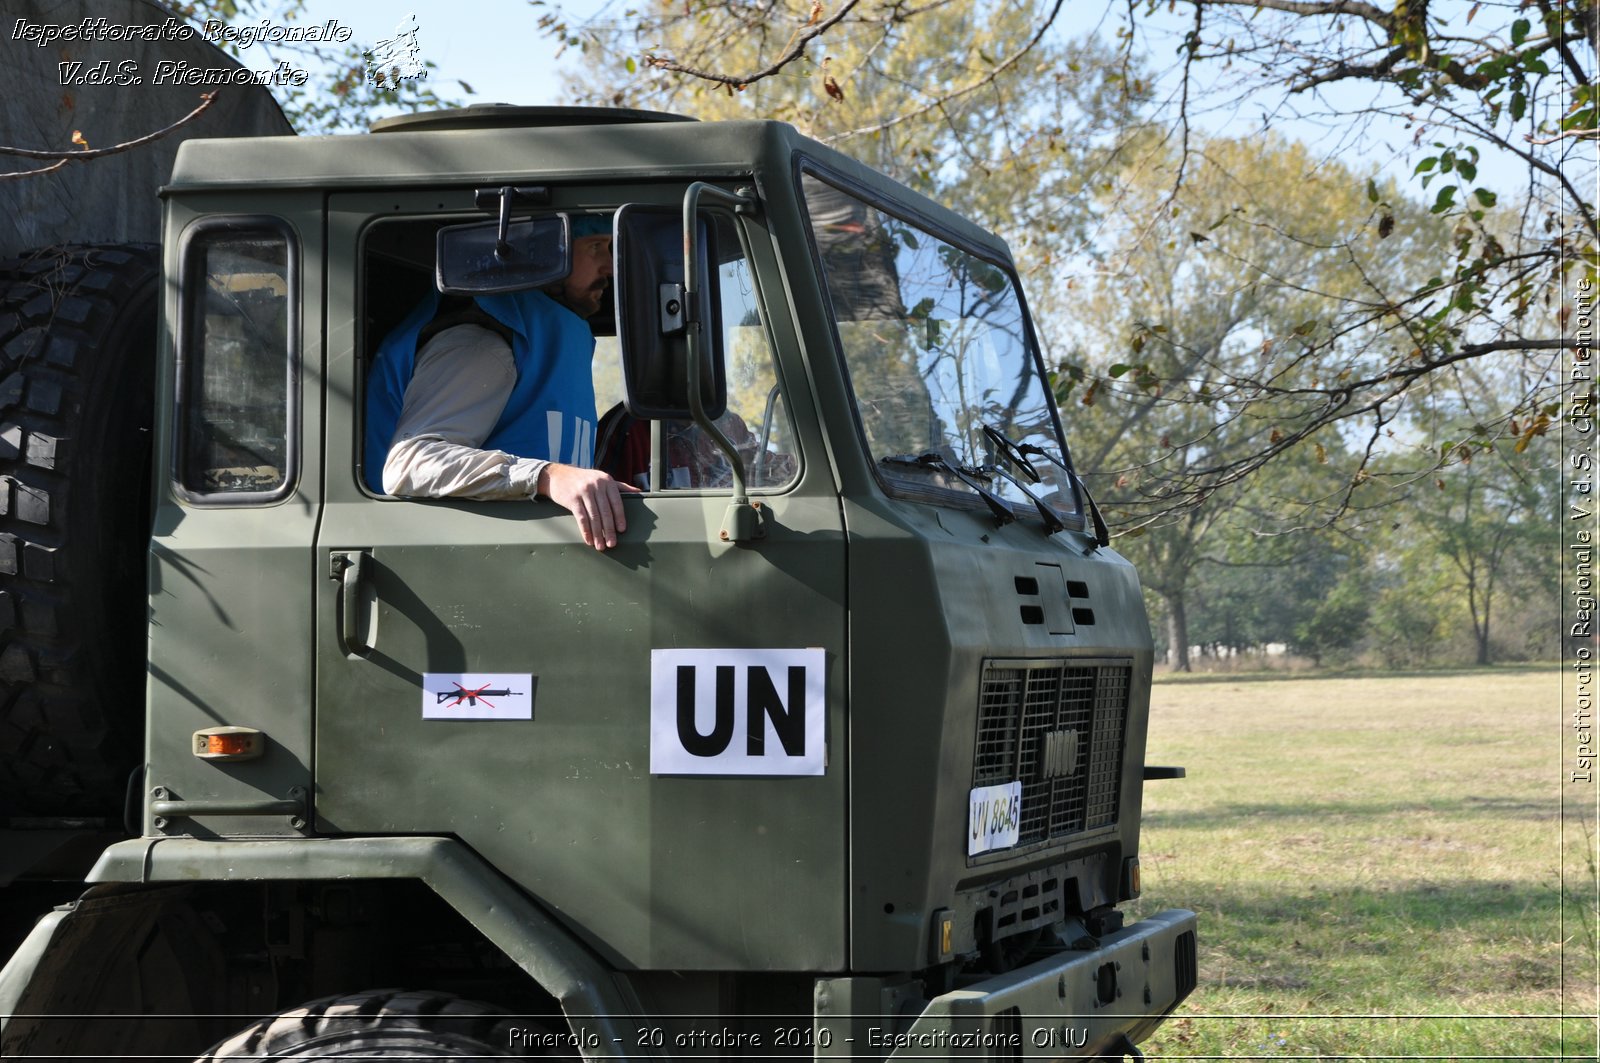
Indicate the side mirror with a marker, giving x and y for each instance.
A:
(481, 258)
(655, 320)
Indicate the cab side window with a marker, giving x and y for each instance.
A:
(756, 421)
(236, 364)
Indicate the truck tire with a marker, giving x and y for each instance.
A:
(77, 372)
(377, 1024)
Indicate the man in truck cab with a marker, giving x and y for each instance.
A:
(493, 398)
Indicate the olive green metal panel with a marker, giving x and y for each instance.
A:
(563, 155)
(933, 594)
(231, 585)
(655, 871)
(915, 694)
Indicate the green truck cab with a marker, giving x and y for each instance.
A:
(839, 752)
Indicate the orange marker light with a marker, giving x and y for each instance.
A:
(228, 745)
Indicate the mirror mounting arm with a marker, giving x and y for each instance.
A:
(743, 522)
(502, 199)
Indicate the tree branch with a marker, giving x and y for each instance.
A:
(939, 103)
(1559, 41)
(87, 154)
(795, 50)
(1331, 8)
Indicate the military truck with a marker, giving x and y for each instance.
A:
(839, 752)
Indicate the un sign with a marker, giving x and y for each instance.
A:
(737, 712)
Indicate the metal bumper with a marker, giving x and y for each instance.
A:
(1071, 1005)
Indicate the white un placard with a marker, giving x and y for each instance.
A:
(994, 817)
(737, 712)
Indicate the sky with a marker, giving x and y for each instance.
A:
(492, 45)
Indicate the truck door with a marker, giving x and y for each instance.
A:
(238, 490)
(483, 673)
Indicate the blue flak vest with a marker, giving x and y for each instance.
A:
(550, 413)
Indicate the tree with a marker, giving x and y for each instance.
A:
(1410, 611)
(1515, 86)
(1493, 509)
(962, 100)
(1514, 83)
(1221, 280)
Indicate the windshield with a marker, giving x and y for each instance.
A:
(937, 348)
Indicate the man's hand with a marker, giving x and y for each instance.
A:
(594, 498)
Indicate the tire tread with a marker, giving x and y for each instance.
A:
(76, 333)
(357, 1014)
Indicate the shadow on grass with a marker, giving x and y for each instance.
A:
(1218, 817)
(1377, 946)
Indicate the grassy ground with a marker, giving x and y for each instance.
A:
(1378, 867)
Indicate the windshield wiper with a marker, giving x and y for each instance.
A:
(1017, 454)
(1052, 522)
(970, 474)
(967, 474)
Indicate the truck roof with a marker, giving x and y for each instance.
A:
(492, 143)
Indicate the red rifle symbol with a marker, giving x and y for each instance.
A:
(471, 697)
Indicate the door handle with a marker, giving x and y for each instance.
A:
(349, 568)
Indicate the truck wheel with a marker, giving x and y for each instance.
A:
(77, 372)
(378, 1024)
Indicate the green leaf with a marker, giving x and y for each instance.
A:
(1519, 31)
(1447, 198)
(1585, 119)
(1519, 106)
(1118, 369)
(631, 66)
(1467, 170)
(1372, 190)
(1484, 196)
(1425, 165)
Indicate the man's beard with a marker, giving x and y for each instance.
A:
(587, 303)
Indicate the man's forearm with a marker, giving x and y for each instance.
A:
(428, 467)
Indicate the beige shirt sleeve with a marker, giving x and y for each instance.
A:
(457, 393)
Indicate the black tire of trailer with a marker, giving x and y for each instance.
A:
(378, 1024)
(77, 380)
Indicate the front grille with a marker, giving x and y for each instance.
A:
(1057, 728)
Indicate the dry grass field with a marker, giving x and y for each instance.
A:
(1378, 866)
